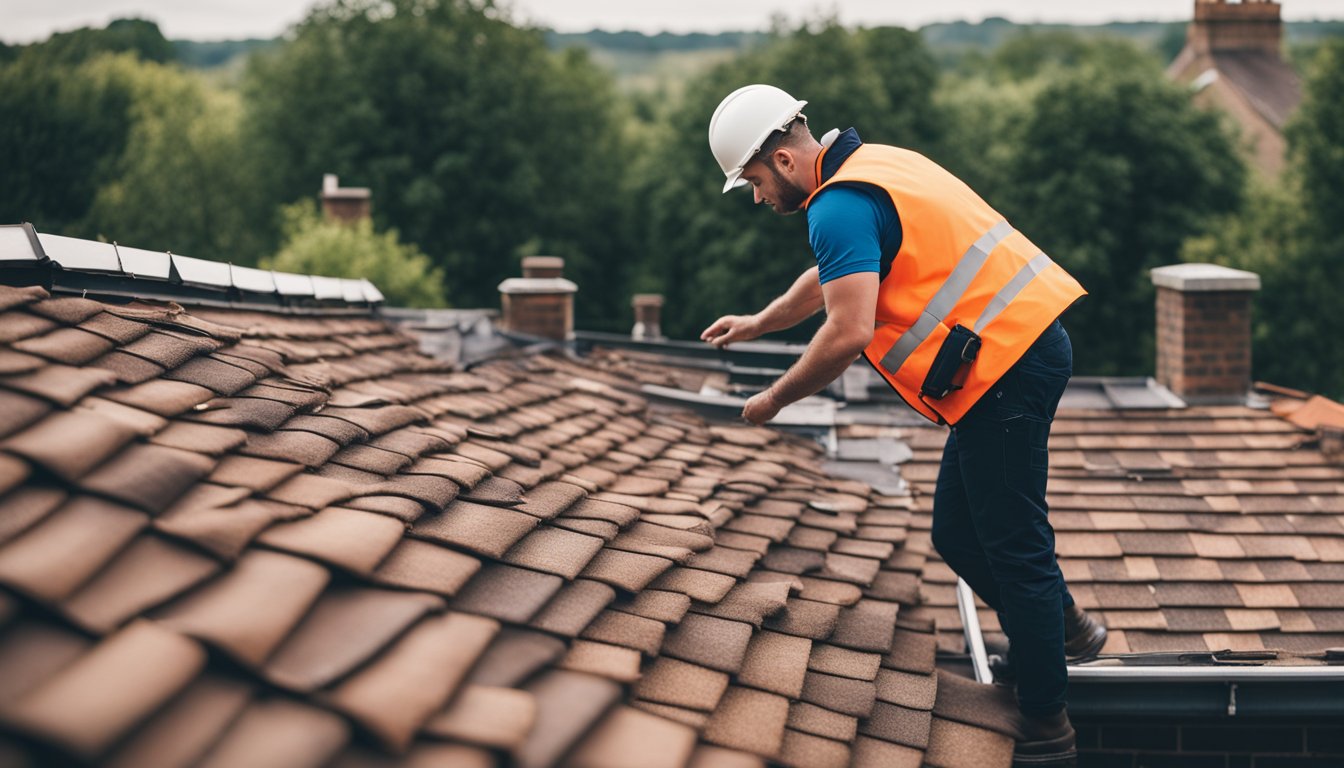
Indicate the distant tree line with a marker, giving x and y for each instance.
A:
(483, 143)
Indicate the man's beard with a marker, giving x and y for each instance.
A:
(790, 195)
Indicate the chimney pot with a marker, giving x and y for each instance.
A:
(1204, 331)
(543, 266)
(648, 316)
(344, 204)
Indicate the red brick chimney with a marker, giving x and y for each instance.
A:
(648, 316)
(541, 302)
(1249, 25)
(1204, 331)
(345, 204)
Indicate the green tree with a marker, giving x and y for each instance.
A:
(479, 144)
(334, 249)
(184, 180)
(1292, 235)
(711, 253)
(1113, 169)
(64, 130)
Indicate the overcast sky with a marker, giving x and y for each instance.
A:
(28, 20)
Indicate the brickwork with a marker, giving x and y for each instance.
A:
(539, 314)
(1243, 26)
(1202, 743)
(1204, 342)
(648, 315)
(345, 208)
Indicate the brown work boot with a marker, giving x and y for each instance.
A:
(1083, 635)
(1046, 741)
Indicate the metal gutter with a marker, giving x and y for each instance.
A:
(1222, 673)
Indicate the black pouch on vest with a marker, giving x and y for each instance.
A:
(958, 350)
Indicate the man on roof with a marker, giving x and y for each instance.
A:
(959, 314)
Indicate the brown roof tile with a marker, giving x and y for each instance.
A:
(574, 607)
(954, 744)
(898, 725)
(188, 725)
(248, 611)
(568, 704)
(667, 607)
(671, 681)
(750, 720)
(51, 559)
(274, 732)
(95, 700)
(804, 750)
(602, 659)
(147, 572)
(399, 690)
(875, 753)
(810, 718)
(486, 716)
(344, 628)
(776, 662)
(839, 694)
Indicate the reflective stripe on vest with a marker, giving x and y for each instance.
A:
(947, 296)
(952, 289)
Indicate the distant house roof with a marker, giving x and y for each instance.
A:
(1265, 80)
(240, 537)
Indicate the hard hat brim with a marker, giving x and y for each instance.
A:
(734, 181)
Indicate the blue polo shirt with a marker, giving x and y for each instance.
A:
(851, 227)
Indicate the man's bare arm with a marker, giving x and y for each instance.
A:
(800, 302)
(851, 305)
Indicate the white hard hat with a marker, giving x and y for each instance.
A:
(742, 123)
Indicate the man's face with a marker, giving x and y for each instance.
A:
(773, 187)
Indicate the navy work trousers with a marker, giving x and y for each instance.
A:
(990, 516)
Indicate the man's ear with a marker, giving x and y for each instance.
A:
(784, 160)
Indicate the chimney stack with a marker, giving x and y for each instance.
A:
(648, 316)
(541, 302)
(344, 204)
(1204, 331)
(1249, 25)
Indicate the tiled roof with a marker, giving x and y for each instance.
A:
(239, 538)
(1194, 529)
(1266, 80)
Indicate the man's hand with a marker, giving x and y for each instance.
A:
(731, 328)
(761, 408)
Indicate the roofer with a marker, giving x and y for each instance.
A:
(958, 312)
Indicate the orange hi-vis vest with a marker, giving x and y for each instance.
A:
(960, 262)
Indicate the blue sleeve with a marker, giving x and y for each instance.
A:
(845, 227)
